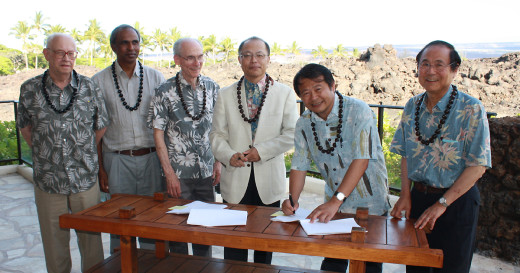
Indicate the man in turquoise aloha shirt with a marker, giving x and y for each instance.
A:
(181, 114)
(62, 117)
(443, 139)
(340, 135)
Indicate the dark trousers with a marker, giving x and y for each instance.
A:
(251, 197)
(340, 265)
(454, 231)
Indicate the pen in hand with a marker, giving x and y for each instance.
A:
(292, 203)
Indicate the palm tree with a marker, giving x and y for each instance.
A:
(22, 31)
(173, 36)
(40, 26)
(94, 34)
(160, 40)
(294, 49)
(320, 51)
(227, 47)
(106, 49)
(277, 49)
(35, 49)
(55, 29)
(339, 51)
(210, 45)
(78, 37)
(146, 44)
(145, 39)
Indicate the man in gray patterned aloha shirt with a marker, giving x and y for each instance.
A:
(182, 110)
(62, 117)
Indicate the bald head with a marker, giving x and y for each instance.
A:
(182, 42)
(51, 39)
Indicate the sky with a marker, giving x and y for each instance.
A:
(309, 23)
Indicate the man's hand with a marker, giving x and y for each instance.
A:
(430, 216)
(288, 209)
(237, 160)
(173, 185)
(325, 211)
(103, 180)
(404, 203)
(217, 168)
(252, 155)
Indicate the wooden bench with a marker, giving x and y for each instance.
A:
(148, 262)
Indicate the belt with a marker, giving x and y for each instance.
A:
(140, 152)
(421, 187)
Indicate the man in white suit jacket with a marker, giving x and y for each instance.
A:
(253, 125)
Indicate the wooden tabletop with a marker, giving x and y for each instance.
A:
(387, 240)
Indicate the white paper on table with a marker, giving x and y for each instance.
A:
(217, 217)
(195, 205)
(340, 226)
(300, 214)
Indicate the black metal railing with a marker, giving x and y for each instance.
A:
(380, 120)
(18, 158)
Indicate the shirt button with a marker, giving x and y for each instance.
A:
(336, 184)
(334, 169)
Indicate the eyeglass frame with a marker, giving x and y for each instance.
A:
(249, 56)
(193, 59)
(437, 67)
(65, 53)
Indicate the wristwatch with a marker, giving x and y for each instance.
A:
(442, 201)
(340, 196)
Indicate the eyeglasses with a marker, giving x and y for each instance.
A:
(61, 54)
(425, 66)
(249, 56)
(193, 59)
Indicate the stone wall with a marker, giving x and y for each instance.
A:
(498, 231)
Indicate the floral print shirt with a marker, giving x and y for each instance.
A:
(464, 140)
(254, 94)
(359, 140)
(187, 140)
(64, 151)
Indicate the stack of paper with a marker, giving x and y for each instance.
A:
(212, 217)
(195, 205)
(332, 227)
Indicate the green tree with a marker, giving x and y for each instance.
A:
(173, 36)
(55, 29)
(35, 50)
(294, 49)
(106, 49)
(339, 51)
(210, 45)
(160, 40)
(15, 55)
(355, 52)
(393, 161)
(6, 66)
(23, 31)
(227, 47)
(40, 26)
(320, 52)
(94, 35)
(276, 49)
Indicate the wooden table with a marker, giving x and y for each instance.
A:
(387, 240)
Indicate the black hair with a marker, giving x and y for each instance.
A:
(312, 71)
(454, 55)
(254, 38)
(116, 31)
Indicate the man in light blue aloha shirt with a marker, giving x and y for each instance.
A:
(181, 114)
(443, 139)
(340, 135)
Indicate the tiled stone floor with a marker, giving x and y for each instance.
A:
(21, 250)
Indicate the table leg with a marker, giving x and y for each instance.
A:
(128, 254)
(358, 236)
(160, 249)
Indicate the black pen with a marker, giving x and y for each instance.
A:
(292, 202)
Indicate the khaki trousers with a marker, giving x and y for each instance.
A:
(56, 240)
